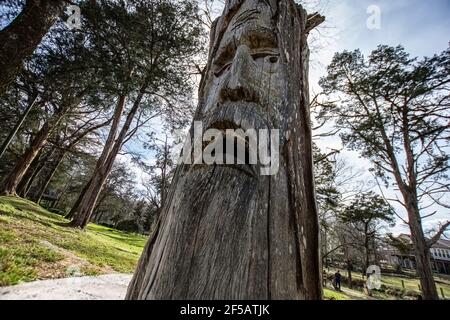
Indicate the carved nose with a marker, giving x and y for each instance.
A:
(238, 84)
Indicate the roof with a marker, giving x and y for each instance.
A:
(443, 244)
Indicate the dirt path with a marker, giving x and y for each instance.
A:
(356, 295)
(106, 287)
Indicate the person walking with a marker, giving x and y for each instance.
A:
(337, 280)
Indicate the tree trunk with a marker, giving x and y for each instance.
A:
(366, 251)
(409, 191)
(238, 231)
(75, 206)
(102, 199)
(11, 182)
(23, 35)
(13, 133)
(24, 185)
(74, 140)
(349, 263)
(30, 175)
(33, 171)
(103, 168)
(349, 273)
(105, 153)
(422, 254)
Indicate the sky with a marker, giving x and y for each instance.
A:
(422, 27)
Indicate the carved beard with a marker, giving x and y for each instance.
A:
(225, 234)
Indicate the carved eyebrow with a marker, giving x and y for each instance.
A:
(223, 64)
(263, 52)
(262, 37)
(225, 52)
(254, 39)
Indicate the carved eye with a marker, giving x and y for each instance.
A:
(273, 59)
(269, 57)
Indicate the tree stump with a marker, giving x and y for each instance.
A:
(227, 231)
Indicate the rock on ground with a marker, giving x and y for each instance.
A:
(106, 287)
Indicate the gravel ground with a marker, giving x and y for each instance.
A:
(106, 287)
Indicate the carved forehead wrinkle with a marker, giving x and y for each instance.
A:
(238, 6)
(251, 25)
(257, 12)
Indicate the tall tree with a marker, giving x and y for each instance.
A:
(394, 110)
(61, 87)
(365, 214)
(328, 197)
(11, 182)
(117, 198)
(160, 171)
(22, 36)
(74, 133)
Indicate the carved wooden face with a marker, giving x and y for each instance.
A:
(245, 71)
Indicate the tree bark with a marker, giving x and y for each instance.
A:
(349, 273)
(227, 232)
(422, 250)
(13, 133)
(366, 250)
(408, 190)
(23, 35)
(422, 253)
(75, 206)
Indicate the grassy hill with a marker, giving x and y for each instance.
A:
(35, 244)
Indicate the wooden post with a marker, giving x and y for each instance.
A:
(236, 231)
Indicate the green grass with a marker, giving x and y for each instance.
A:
(412, 284)
(395, 282)
(35, 244)
(329, 294)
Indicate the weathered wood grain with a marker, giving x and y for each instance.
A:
(225, 233)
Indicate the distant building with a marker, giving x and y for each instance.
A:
(440, 256)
